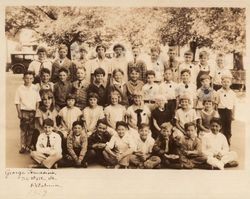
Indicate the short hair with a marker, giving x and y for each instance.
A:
(203, 54)
(142, 126)
(99, 71)
(187, 125)
(186, 71)
(118, 46)
(100, 46)
(135, 46)
(150, 72)
(220, 55)
(81, 68)
(215, 120)
(41, 49)
(93, 95)
(48, 122)
(155, 49)
(166, 125)
(167, 69)
(172, 49)
(63, 69)
(82, 49)
(102, 121)
(207, 99)
(136, 69)
(44, 70)
(29, 72)
(77, 123)
(70, 96)
(121, 123)
(188, 52)
(62, 46)
(118, 70)
(49, 94)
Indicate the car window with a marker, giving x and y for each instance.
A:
(18, 56)
(29, 57)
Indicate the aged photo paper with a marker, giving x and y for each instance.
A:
(186, 26)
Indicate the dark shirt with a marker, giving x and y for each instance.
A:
(61, 90)
(161, 116)
(101, 91)
(96, 138)
(142, 68)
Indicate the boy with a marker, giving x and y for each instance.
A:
(63, 62)
(150, 90)
(144, 147)
(62, 88)
(187, 64)
(42, 62)
(226, 105)
(216, 149)
(77, 142)
(45, 83)
(97, 142)
(27, 101)
(138, 64)
(48, 147)
(98, 86)
(80, 87)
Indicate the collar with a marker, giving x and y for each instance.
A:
(98, 85)
(118, 83)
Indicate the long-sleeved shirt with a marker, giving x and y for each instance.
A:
(54, 140)
(97, 138)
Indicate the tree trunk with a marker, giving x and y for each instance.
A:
(238, 61)
(69, 51)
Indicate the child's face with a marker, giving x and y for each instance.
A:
(208, 105)
(137, 100)
(45, 77)
(41, 55)
(47, 129)
(226, 83)
(28, 79)
(99, 78)
(184, 103)
(215, 128)
(134, 75)
(205, 83)
(154, 55)
(168, 75)
(188, 59)
(160, 103)
(92, 102)
(63, 76)
(166, 132)
(136, 52)
(171, 55)
(191, 132)
(203, 60)
(47, 101)
(220, 62)
(144, 133)
(77, 129)
(121, 130)
(118, 51)
(62, 53)
(70, 102)
(114, 99)
(80, 74)
(101, 52)
(185, 77)
(118, 76)
(101, 128)
(150, 79)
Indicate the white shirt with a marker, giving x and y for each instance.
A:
(70, 115)
(150, 91)
(55, 142)
(120, 145)
(169, 90)
(36, 66)
(213, 144)
(189, 89)
(132, 115)
(226, 99)
(185, 116)
(194, 71)
(145, 147)
(218, 73)
(121, 63)
(27, 97)
(115, 113)
(91, 116)
(158, 68)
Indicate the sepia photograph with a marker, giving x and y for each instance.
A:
(125, 87)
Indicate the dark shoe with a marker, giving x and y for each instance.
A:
(55, 166)
(22, 150)
(85, 165)
(231, 164)
(110, 167)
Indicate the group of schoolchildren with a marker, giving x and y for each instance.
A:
(120, 114)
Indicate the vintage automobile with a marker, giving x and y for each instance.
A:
(20, 62)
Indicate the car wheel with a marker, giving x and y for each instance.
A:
(18, 69)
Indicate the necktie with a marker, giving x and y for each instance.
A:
(138, 112)
(48, 141)
(80, 83)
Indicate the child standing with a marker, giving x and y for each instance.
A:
(134, 84)
(62, 88)
(45, 83)
(138, 113)
(150, 90)
(119, 148)
(92, 113)
(27, 101)
(216, 149)
(80, 87)
(144, 147)
(185, 114)
(114, 112)
(226, 105)
(48, 147)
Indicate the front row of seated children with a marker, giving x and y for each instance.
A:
(171, 149)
